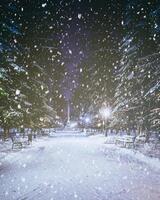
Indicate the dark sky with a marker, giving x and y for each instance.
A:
(69, 39)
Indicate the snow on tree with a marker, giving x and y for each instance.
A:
(137, 72)
(11, 69)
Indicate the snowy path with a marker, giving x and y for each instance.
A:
(75, 168)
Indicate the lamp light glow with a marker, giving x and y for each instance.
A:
(87, 120)
(106, 112)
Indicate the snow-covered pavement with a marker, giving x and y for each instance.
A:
(83, 168)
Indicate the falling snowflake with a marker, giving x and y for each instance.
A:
(17, 92)
(44, 5)
(79, 16)
(70, 51)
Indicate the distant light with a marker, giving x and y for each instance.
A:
(99, 124)
(106, 112)
(87, 119)
(81, 118)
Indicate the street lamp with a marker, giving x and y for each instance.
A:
(87, 120)
(105, 113)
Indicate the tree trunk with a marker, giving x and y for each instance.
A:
(5, 133)
(147, 134)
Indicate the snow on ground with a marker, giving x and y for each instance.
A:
(5, 147)
(132, 155)
(83, 168)
(147, 149)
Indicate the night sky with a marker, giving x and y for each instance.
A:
(76, 43)
(69, 38)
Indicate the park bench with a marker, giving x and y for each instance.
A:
(140, 140)
(155, 140)
(16, 142)
(19, 142)
(125, 141)
(45, 131)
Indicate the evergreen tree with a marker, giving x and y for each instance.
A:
(10, 69)
(137, 72)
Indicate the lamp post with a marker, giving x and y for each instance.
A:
(105, 113)
(68, 113)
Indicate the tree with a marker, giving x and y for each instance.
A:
(137, 72)
(11, 70)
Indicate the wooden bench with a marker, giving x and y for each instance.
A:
(20, 142)
(155, 141)
(16, 142)
(126, 141)
(140, 140)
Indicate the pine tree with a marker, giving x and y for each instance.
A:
(11, 70)
(136, 73)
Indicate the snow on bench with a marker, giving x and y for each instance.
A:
(20, 142)
(140, 140)
(125, 141)
(154, 139)
(16, 142)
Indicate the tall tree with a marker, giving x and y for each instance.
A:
(10, 70)
(137, 72)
